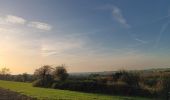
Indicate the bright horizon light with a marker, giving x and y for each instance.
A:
(86, 36)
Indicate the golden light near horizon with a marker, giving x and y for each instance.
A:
(23, 55)
(85, 49)
(109, 39)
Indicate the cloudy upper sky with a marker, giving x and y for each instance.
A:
(85, 35)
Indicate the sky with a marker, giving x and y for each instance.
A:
(85, 35)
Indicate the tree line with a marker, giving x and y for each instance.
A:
(154, 84)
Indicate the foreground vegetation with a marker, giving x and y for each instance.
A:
(126, 83)
(147, 83)
(56, 94)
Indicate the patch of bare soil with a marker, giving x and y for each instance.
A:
(10, 95)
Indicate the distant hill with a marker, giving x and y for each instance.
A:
(111, 72)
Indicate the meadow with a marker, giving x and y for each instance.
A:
(56, 94)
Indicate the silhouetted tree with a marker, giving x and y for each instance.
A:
(44, 75)
(60, 73)
(25, 77)
(5, 73)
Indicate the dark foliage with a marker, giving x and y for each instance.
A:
(46, 75)
(154, 84)
(60, 73)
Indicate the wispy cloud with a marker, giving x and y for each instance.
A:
(15, 19)
(52, 47)
(40, 25)
(141, 41)
(11, 19)
(117, 14)
(163, 28)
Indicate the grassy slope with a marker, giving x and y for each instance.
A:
(55, 94)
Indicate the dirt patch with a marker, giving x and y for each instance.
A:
(10, 95)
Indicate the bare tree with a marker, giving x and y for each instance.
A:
(44, 74)
(4, 73)
(60, 73)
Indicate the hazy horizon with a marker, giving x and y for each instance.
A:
(85, 35)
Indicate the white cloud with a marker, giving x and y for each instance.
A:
(14, 19)
(141, 41)
(40, 25)
(2, 21)
(117, 14)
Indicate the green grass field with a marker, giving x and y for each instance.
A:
(56, 94)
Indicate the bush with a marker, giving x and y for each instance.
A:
(86, 86)
(42, 83)
(157, 84)
(37, 83)
(130, 78)
(119, 88)
(163, 93)
(60, 73)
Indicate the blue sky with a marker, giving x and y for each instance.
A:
(86, 35)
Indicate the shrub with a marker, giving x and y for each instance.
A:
(164, 92)
(60, 73)
(130, 78)
(37, 83)
(43, 82)
(86, 85)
